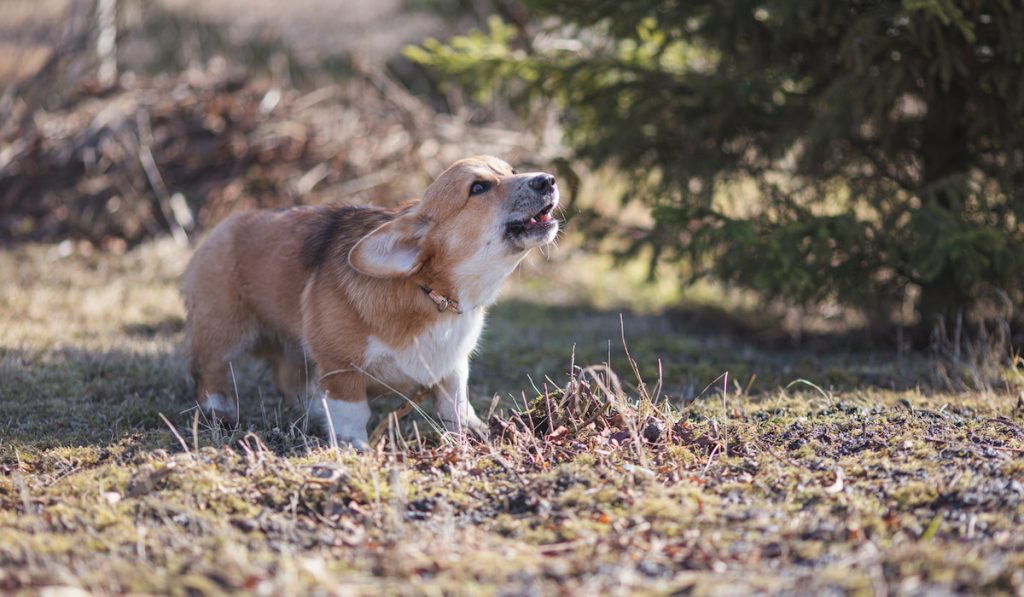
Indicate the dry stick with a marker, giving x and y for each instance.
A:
(563, 401)
(181, 440)
(591, 371)
(494, 405)
(250, 455)
(331, 435)
(261, 448)
(419, 440)
(547, 405)
(106, 44)
(397, 435)
(711, 459)
(615, 398)
(571, 402)
(746, 390)
(411, 403)
(156, 181)
(529, 412)
(725, 412)
(708, 387)
(632, 362)
(401, 436)
(392, 428)
(659, 385)
(533, 426)
(238, 405)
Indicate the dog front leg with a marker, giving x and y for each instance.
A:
(347, 410)
(451, 400)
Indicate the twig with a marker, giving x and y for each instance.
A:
(163, 197)
(181, 440)
(632, 362)
(410, 404)
(725, 413)
(332, 436)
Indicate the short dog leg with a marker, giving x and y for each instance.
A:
(213, 399)
(219, 409)
(347, 410)
(210, 350)
(451, 399)
(289, 378)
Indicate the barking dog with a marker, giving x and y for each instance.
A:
(351, 302)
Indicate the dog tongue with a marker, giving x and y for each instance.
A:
(538, 220)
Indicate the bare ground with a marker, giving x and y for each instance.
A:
(837, 484)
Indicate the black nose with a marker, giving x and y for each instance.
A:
(542, 183)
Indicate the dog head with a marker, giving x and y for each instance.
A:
(473, 225)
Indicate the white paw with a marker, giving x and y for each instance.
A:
(347, 421)
(219, 409)
(360, 443)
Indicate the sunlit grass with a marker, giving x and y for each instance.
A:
(710, 472)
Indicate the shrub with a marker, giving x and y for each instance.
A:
(859, 151)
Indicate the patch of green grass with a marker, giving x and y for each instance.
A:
(863, 478)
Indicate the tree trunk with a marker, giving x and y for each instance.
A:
(945, 153)
(941, 302)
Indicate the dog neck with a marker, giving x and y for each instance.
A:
(443, 302)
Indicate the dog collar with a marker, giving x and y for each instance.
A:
(443, 303)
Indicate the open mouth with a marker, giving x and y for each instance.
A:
(541, 220)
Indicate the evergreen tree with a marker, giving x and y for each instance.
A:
(885, 139)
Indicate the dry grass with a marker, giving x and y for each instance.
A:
(28, 31)
(594, 482)
(371, 31)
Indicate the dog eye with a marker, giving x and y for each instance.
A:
(479, 187)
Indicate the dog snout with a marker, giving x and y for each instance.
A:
(542, 183)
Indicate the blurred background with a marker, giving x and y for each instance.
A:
(794, 236)
(832, 168)
(128, 120)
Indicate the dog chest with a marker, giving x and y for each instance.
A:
(432, 354)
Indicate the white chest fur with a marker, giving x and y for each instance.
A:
(431, 356)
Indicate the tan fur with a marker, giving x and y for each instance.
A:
(310, 289)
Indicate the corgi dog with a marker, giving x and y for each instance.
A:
(350, 302)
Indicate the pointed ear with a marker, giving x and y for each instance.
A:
(391, 251)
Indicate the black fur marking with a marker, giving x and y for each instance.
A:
(334, 230)
(328, 225)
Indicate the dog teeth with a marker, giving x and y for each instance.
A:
(537, 219)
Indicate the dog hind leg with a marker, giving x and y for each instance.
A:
(215, 338)
(289, 371)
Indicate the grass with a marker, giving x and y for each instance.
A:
(865, 477)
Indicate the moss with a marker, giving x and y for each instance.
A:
(914, 494)
(1013, 468)
(97, 491)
